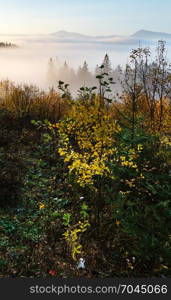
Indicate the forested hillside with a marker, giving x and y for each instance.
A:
(7, 45)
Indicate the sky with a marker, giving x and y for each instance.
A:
(93, 17)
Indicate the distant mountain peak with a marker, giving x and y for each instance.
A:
(68, 34)
(141, 31)
(63, 35)
(147, 34)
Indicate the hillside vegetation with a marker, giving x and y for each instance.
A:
(88, 176)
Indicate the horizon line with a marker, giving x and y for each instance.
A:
(105, 35)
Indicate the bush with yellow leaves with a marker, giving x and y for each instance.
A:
(73, 235)
(86, 142)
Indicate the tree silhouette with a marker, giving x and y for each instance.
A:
(52, 72)
(84, 76)
(107, 65)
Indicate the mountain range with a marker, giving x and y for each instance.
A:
(145, 36)
(141, 34)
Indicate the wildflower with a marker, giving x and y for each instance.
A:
(81, 198)
(133, 259)
(41, 206)
(53, 272)
(117, 222)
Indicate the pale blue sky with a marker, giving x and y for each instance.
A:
(84, 16)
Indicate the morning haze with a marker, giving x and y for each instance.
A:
(49, 29)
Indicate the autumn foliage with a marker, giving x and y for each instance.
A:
(95, 180)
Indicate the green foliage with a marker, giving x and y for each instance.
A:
(11, 177)
(84, 211)
(66, 219)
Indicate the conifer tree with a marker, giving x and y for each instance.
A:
(52, 72)
(107, 65)
(84, 76)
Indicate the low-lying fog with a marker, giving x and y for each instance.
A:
(29, 63)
